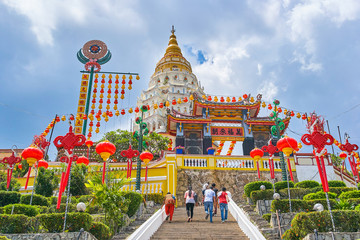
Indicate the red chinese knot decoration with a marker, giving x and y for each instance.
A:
(129, 154)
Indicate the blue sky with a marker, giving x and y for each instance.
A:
(305, 53)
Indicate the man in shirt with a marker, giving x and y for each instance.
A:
(216, 198)
(209, 198)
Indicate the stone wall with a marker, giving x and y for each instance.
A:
(48, 236)
(263, 207)
(337, 236)
(285, 221)
(233, 180)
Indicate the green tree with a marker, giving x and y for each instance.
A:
(14, 184)
(108, 196)
(46, 182)
(78, 180)
(336, 160)
(122, 138)
(21, 172)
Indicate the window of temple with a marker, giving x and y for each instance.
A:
(178, 91)
(172, 89)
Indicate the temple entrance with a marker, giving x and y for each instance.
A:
(193, 142)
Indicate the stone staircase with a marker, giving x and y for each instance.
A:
(140, 217)
(260, 222)
(199, 228)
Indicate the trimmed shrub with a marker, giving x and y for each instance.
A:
(350, 194)
(74, 222)
(336, 183)
(53, 200)
(46, 182)
(43, 209)
(307, 184)
(282, 185)
(267, 217)
(354, 201)
(93, 209)
(37, 200)
(254, 186)
(156, 197)
(100, 231)
(296, 193)
(135, 200)
(14, 184)
(7, 198)
(357, 208)
(18, 223)
(319, 195)
(85, 198)
(71, 208)
(1, 210)
(30, 211)
(298, 205)
(262, 195)
(305, 223)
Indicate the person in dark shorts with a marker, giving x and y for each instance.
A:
(190, 200)
(216, 199)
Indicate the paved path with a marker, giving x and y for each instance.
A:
(199, 228)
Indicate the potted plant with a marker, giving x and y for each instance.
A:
(210, 150)
(179, 150)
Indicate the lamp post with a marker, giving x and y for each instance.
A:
(276, 197)
(275, 131)
(143, 130)
(105, 149)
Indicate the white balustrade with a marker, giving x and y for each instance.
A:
(234, 163)
(195, 162)
(152, 188)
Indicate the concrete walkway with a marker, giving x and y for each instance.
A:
(199, 228)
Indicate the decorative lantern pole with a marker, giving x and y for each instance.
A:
(89, 144)
(31, 154)
(350, 148)
(276, 132)
(105, 149)
(146, 157)
(68, 142)
(83, 160)
(271, 149)
(318, 139)
(139, 136)
(257, 154)
(129, 154)
(10, 161)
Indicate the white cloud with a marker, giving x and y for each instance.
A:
(45, 16)
(269, 88)
(259, 68)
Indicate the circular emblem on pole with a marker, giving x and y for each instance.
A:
(94, 49)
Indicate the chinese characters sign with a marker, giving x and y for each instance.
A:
(227, 131)
(82, 102)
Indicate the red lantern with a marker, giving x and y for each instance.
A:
(146, 157)
(209, 98)
(105, 149)
(269, 106)
(185, 99)
(83, 160)
(342, 155)
(304, 117)
(257, 154)
(245, 96)
(43, 164)
(292, 114)
(31, 155)
(20, 166)
(173, 102)
(288, 145)
(222, 99)
(123, 112)
(161, 105)
(89, 143)
(233, 99)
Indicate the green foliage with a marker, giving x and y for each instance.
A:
(304, 223)
(85, 198)
(21, 172)
(46, 182)
(74, 222)
(30, 211)
(18, 223)
(262, 195)
(71, 208)
(158, 198)
(108, 196)
(43, 209)
(282, 185)
(122, 138)
(307, 184)
(93, 209)
(357, 208)
(1, 210)
(254, 186)
(344, 205)
(100, 231)
(336, 160)
(14, 184)
(354, 201)
(37, 200)
(267, 217)
(298, 205)
(9, 198)
(336, 183)
(296, 193)
(319, 195)
(350, 194)
(78, 180)
(135, 200)
(3, 238)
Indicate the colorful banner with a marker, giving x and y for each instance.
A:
(227, 131)
(82, 103)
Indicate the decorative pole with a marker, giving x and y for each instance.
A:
(105, 149)
(276, 132)
(142, 143)
(146, 157)
(318, 139)
(129, 154)
(68, 142)
(10, 161)
(257, 154)
(350, 149)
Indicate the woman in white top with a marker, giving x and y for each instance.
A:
(189, 197)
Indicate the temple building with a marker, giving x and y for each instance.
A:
(199, 120)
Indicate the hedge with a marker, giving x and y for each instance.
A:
(357, 208)
(71, 208)
(93, 209)
(305, 223)
(85, 198)
(1, 210)
(74, 222)
(262, 195)
(18, 223)
(354, 201)
(307, 184)
(156, 197)
(254, 186)
(100, 231)
(282, 185)
(298, 205)
(53, 200)
(267, 217)
(350, 194)
(296, 193)
(9, 198)
(336, 183)
(319, 195)
(37, 200)
(135, 200)
(30, 211)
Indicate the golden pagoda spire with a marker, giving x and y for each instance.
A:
(173, 47)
